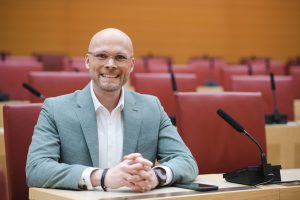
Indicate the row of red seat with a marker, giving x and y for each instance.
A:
(58, 83)
(12, 76)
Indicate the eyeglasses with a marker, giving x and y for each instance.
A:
(103, 58)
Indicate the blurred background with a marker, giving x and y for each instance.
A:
(201, 46)
(181, 29)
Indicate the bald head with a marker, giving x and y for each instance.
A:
(110, 36)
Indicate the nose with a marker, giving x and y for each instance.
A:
(110, 62)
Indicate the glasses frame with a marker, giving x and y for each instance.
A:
(104, 61)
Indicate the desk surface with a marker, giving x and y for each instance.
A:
(297, 109)
(283, 144)
(226, 191)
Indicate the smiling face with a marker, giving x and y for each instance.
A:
(109, 60)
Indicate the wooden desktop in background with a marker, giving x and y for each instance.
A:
(297, 109)
(283, 144)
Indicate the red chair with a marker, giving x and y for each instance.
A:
(12, 78)
(77, 64)
(229, 71)
(216, 146)
(265, 67)
(259, 68)
(177, 68)
(2, 186)
(20, 61)
(156, 64)
(53, 62)
(57, 83)
(208, 70)
(284, 91)
(160, 85)
(277, 67)
(295, 73)
(19, 121)
(139, 67)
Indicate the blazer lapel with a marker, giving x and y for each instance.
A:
(132, 118)
(87, 117)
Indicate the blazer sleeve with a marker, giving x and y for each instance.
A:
(43, 168)
(172, 151)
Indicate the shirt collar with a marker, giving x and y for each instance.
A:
(97, 103)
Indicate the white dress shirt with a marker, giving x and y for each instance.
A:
(110, 138)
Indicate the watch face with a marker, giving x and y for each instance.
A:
(161, 175)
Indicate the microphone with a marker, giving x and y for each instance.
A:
(173, 80)
(231, 121)
(33, 91)
(254, 175)
(174, 86)
(275, 117)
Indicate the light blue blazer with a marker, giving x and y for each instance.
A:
(65, 139)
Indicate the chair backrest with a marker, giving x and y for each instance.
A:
(52, 84)
(19, 122)
(11, 79)
(229, 71)
(156, 64)
(284, 91)
(2, 186)
(53, 62)
(295, 73)
(179, 68)
(77, 64)
(208, 69)
(160, 85)
(216, 146)
(21, 61)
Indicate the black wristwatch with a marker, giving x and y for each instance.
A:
(161, 175)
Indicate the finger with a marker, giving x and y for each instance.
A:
(144, 161)
(146, 175)
(133, 168)
(146, 185)
(138, 189)
(134, 178)
(132, 156)
(128, 184)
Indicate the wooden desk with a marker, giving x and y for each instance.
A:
(283, 145)
(297, 109)
(2, 151)
(203, 89)
(266, 192)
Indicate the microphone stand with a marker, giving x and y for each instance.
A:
(275, 117)
(252, 175)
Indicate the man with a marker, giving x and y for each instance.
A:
(105, 135)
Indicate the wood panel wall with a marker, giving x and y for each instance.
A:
(180, 28)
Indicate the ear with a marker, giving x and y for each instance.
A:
(132, 65)
(87, 62)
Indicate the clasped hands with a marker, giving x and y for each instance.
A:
(134, 172)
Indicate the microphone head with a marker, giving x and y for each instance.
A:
(230, 121)
(32, 90)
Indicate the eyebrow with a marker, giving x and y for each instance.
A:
(99, 52)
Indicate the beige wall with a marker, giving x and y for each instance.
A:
(180, 28)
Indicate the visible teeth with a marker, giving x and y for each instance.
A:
(109, 76)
